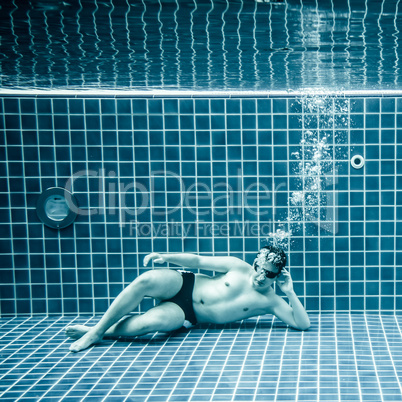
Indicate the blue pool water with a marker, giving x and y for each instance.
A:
(201, 44)
(208, 127)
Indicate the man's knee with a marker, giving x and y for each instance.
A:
(145, 281)
(160, 284)
(149, 280)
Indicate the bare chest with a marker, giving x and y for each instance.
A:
(227, 298)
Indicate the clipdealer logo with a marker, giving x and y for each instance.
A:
(144, 200)
(109, 194)
(200, 229)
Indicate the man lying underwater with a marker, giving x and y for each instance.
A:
(241, 291)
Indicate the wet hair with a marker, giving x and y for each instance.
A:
(274, 255)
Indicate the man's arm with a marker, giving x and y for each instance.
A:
(293, 313)
(219, 264)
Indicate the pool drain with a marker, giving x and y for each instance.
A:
(357, 161)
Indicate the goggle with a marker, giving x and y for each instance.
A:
(268, 274)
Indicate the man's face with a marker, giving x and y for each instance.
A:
(266, 273)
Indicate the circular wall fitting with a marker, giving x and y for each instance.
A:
(57, 208)
(357, 161)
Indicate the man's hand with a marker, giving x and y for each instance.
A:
(293, 313)
(155, 257)
(285, 282)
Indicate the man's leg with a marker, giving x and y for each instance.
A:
(160, 284)
(165, 317)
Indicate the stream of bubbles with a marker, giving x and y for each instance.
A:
(314, 165)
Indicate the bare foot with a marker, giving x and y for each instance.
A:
(76, 331)
(87, 340)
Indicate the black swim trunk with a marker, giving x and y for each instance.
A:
(184, 298)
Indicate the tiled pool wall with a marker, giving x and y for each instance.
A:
(209, 175)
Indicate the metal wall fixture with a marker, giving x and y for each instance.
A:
(357, 161)
(57, 208)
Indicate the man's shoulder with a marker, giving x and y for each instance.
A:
(234, 263)
(222, 264)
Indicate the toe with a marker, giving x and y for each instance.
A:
(73, 349)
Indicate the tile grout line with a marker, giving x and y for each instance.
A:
(337, 359)
(126, 370)
(153, 359)
(355, 358)
(183, 370)
(281, 364)
(318, 357)
(372, 357)
(83, 374)
(108, 369)
(72, 367)
(263, 359)
(245, 357)
(226, 361)
(390, 354)
(205, 365)
(41, 361)
(21, 323)
(7, 322)
(299, 366)
(25, 333)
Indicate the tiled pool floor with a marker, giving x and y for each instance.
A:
(341, 358)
